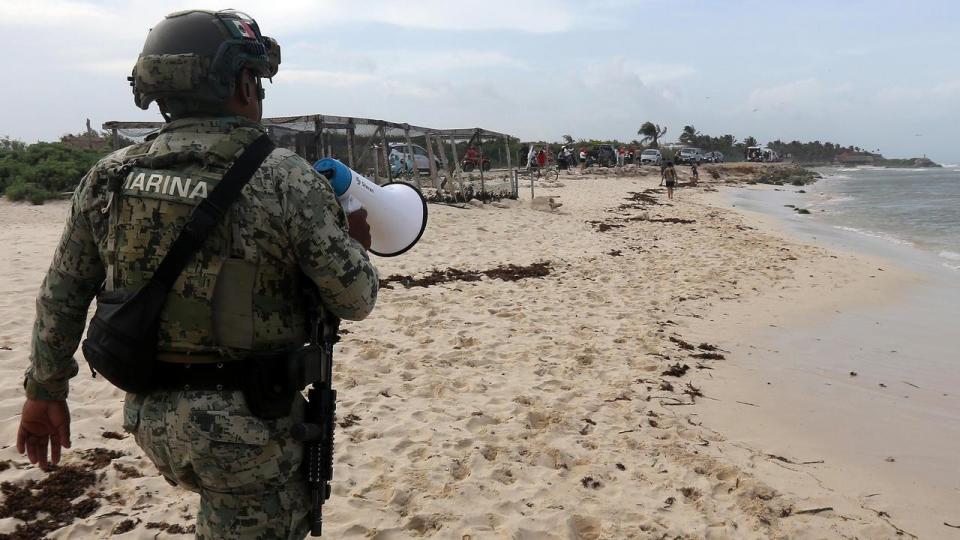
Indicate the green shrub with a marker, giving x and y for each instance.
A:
(26, 191)
(50, 167)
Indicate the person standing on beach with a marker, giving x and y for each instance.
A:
(531, 157)
(670, 177)
(240, 303)
(695, 175)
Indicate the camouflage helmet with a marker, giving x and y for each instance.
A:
(191, 60)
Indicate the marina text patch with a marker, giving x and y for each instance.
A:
(175, 186)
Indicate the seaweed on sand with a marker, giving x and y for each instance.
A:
(506, 272)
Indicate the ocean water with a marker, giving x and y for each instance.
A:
(900, 341)
(913, 207)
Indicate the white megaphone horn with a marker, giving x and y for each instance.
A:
(396, 212)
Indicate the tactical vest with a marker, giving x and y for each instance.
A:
(242, 292)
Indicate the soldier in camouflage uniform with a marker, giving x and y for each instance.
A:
(242, 294)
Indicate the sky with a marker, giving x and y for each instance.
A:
(881, 74)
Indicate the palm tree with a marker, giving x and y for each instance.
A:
(749, 141)
(568, 139)
(689, 136)
(651, 133)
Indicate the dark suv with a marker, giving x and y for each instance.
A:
(606, 155)
(713, 157)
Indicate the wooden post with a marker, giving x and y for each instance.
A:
(506, 148)
(116, 139)
(317, 141)
(433, 163)
(447, 172)
(323, 152)
(483, 188)
(456, 158)
(456, 165)
(386, 152)
(443, 155)
(413, 157)
(299, 146)
(376, 156)
(350, 143)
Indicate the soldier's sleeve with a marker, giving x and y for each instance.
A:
(74, 277)
(317, 229)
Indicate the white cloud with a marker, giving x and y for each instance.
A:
(449, 60)
(620, 71)
(337, 79)
(806, 95)
(528, 16)
(50, 13)
(531, 16)
(384, 86)
(536, 68)
(947, 90)
(109, 67)
(660, 73)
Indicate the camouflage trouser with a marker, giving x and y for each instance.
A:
(247, 470)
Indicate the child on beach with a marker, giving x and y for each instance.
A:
(670, 176)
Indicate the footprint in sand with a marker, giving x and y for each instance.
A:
(584, 527)
(460, 469)
(479, 421)
(503, 475)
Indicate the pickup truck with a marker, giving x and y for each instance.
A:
(689, 156)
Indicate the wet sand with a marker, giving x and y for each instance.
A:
(864, 379)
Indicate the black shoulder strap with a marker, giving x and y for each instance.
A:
(210, 211)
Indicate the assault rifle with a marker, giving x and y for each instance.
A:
(316, 431)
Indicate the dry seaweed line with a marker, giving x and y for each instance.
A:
(508, 272)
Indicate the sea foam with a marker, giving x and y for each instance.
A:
(950, 255)
(875, 234)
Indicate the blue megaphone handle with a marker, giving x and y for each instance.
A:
(339, 175)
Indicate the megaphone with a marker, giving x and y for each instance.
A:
(396, 212)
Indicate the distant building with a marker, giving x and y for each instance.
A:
(89, 140)
(857, 158)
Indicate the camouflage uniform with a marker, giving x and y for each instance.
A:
(242, 293)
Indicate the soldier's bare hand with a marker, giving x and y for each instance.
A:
(359, 228)
(43, 424)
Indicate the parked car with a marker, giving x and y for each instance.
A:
(713, 157)
(651, 156)
(689, 156)
(399, 157)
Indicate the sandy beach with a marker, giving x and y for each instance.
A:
(600, 390)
